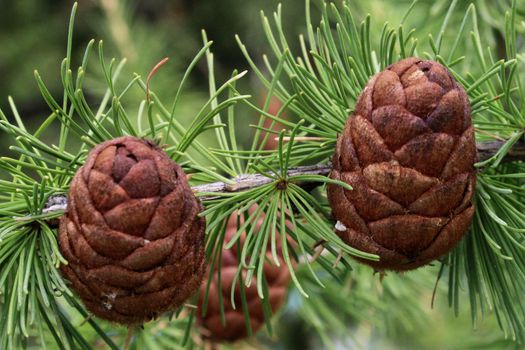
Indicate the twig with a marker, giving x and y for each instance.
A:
(302, 138)
(318, 252)
(240, 183)
(339, 257)
(247, 181)
(129, 337)
(488, 149)
(86, 320)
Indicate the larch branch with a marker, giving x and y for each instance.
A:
(244, 182)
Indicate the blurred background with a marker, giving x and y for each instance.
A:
(33, 35)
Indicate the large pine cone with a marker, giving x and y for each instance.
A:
(131, 235)
(408, 152)
(235, 326)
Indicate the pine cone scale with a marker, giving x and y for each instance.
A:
(412, 76)
(110, 243)
(450, 235)
(344, 146)
(419, 153)
(80, 206)
(345, 212)
(369, 145)
(448, 117)
(103, 162)
(423, 98)
(105, 193)
(397, 126)
(462, 157)
(408, 152)
(168, 214)
(149, 256)
(402, 66)
(388, 90)
(419, 232)
(392, 180)
(142, 180)
(138, 214)
(370, 204)
(441, 199)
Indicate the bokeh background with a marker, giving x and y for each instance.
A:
(33, 35)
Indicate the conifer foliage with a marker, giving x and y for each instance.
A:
(131, 241)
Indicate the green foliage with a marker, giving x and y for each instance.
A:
(321, 86)
(32, 289)
(318, 88)
(347, 300)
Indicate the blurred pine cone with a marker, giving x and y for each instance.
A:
(131, 235)
(235, 326)
(272, 141)
(408, 152)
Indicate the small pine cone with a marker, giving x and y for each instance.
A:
(408, 151)
(132, 235)
(235, 326)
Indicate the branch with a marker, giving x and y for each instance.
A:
(488, 149)
(240, 183)
(247, 181)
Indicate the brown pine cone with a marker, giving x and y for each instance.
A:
(408, 152)
(131, 235)
(235, 327)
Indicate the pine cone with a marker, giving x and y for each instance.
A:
(235, 327)
(131, 235)
(408, 152)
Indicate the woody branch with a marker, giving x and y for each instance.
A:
(244, 182)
